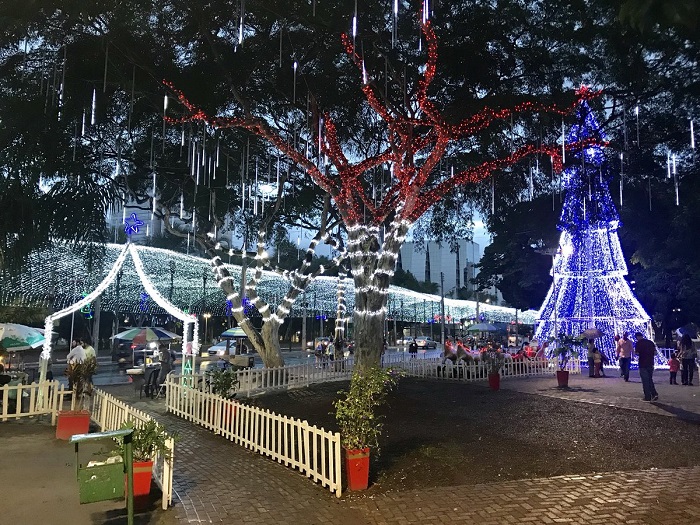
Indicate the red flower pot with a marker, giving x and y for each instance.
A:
(563, 378)
(495, 381)
(357, 468)
(72, 422)
(142, 478)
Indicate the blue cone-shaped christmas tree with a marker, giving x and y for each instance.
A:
(589, 289)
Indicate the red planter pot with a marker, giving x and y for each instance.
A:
(142, 478)
(72, 422)
(357, 468)
(495, 381)
(563, 378)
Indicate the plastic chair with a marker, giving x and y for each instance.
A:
(150, 386)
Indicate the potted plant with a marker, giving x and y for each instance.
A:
(224, 383)
(72, 422)
(493, 359)
(147, 440)
(565, 347)
(360, 425)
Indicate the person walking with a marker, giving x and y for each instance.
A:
(624, 355)
(673, 366)
(646, 350)
(688, 354)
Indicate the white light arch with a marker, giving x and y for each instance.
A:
(129, 249)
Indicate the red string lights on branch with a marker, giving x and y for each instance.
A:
(417, 140)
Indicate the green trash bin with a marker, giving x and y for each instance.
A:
(106, 481)
(101, 482)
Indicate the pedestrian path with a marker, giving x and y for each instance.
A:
(674, 400)
(219, 482)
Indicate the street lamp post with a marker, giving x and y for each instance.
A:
(206, 326)
(442, 308)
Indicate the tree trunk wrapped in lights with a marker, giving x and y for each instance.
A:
(266, 340)
(589, 289)
(415, 138)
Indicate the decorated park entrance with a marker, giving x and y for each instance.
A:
(190, 346)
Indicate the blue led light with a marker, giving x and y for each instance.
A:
(589, 288)
(143, 302)
(132, 228)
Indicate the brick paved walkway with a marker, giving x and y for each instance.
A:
(219, 482)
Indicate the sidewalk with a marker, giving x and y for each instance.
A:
(219, 482)
(674, 400)
(39, 484)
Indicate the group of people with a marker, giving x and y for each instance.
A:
(624, 350)
(683, 359)
(80, 350)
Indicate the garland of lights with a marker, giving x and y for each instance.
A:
(128, 249)
(188, 352)
(35, 287)
(84, 301)
(588, 288)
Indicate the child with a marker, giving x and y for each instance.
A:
(597, 362)
(673, 366)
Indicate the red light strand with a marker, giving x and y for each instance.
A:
(408, 197)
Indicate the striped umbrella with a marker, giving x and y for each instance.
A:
(236, 331)
(15, 337)
(146, 335)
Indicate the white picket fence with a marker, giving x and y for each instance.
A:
(36, 399)
(258, 380)
(110, 414)
(477, 371)
(292, 442)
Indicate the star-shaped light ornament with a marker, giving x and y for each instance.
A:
(132, 227)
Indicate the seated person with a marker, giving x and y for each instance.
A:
(166, 364)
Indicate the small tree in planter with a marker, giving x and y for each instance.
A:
(493, 359)
(565, 347)
(360, 425)
(224, 383)
(77, 421)
(147, 441)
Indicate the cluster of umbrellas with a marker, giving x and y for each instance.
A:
(18, 337)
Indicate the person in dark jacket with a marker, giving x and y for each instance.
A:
(646, 350)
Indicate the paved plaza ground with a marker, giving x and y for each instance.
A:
(654, 482)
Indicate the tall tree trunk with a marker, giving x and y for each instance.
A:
(271, 351)
(372, 266)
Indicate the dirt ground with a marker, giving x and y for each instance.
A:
(446, 434)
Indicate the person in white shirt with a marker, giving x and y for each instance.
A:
(77, 353)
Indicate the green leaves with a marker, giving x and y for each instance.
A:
(356, 412)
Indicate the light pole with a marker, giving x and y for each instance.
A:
(442, 308)
(206, 326)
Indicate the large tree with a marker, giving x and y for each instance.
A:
(412, 136)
